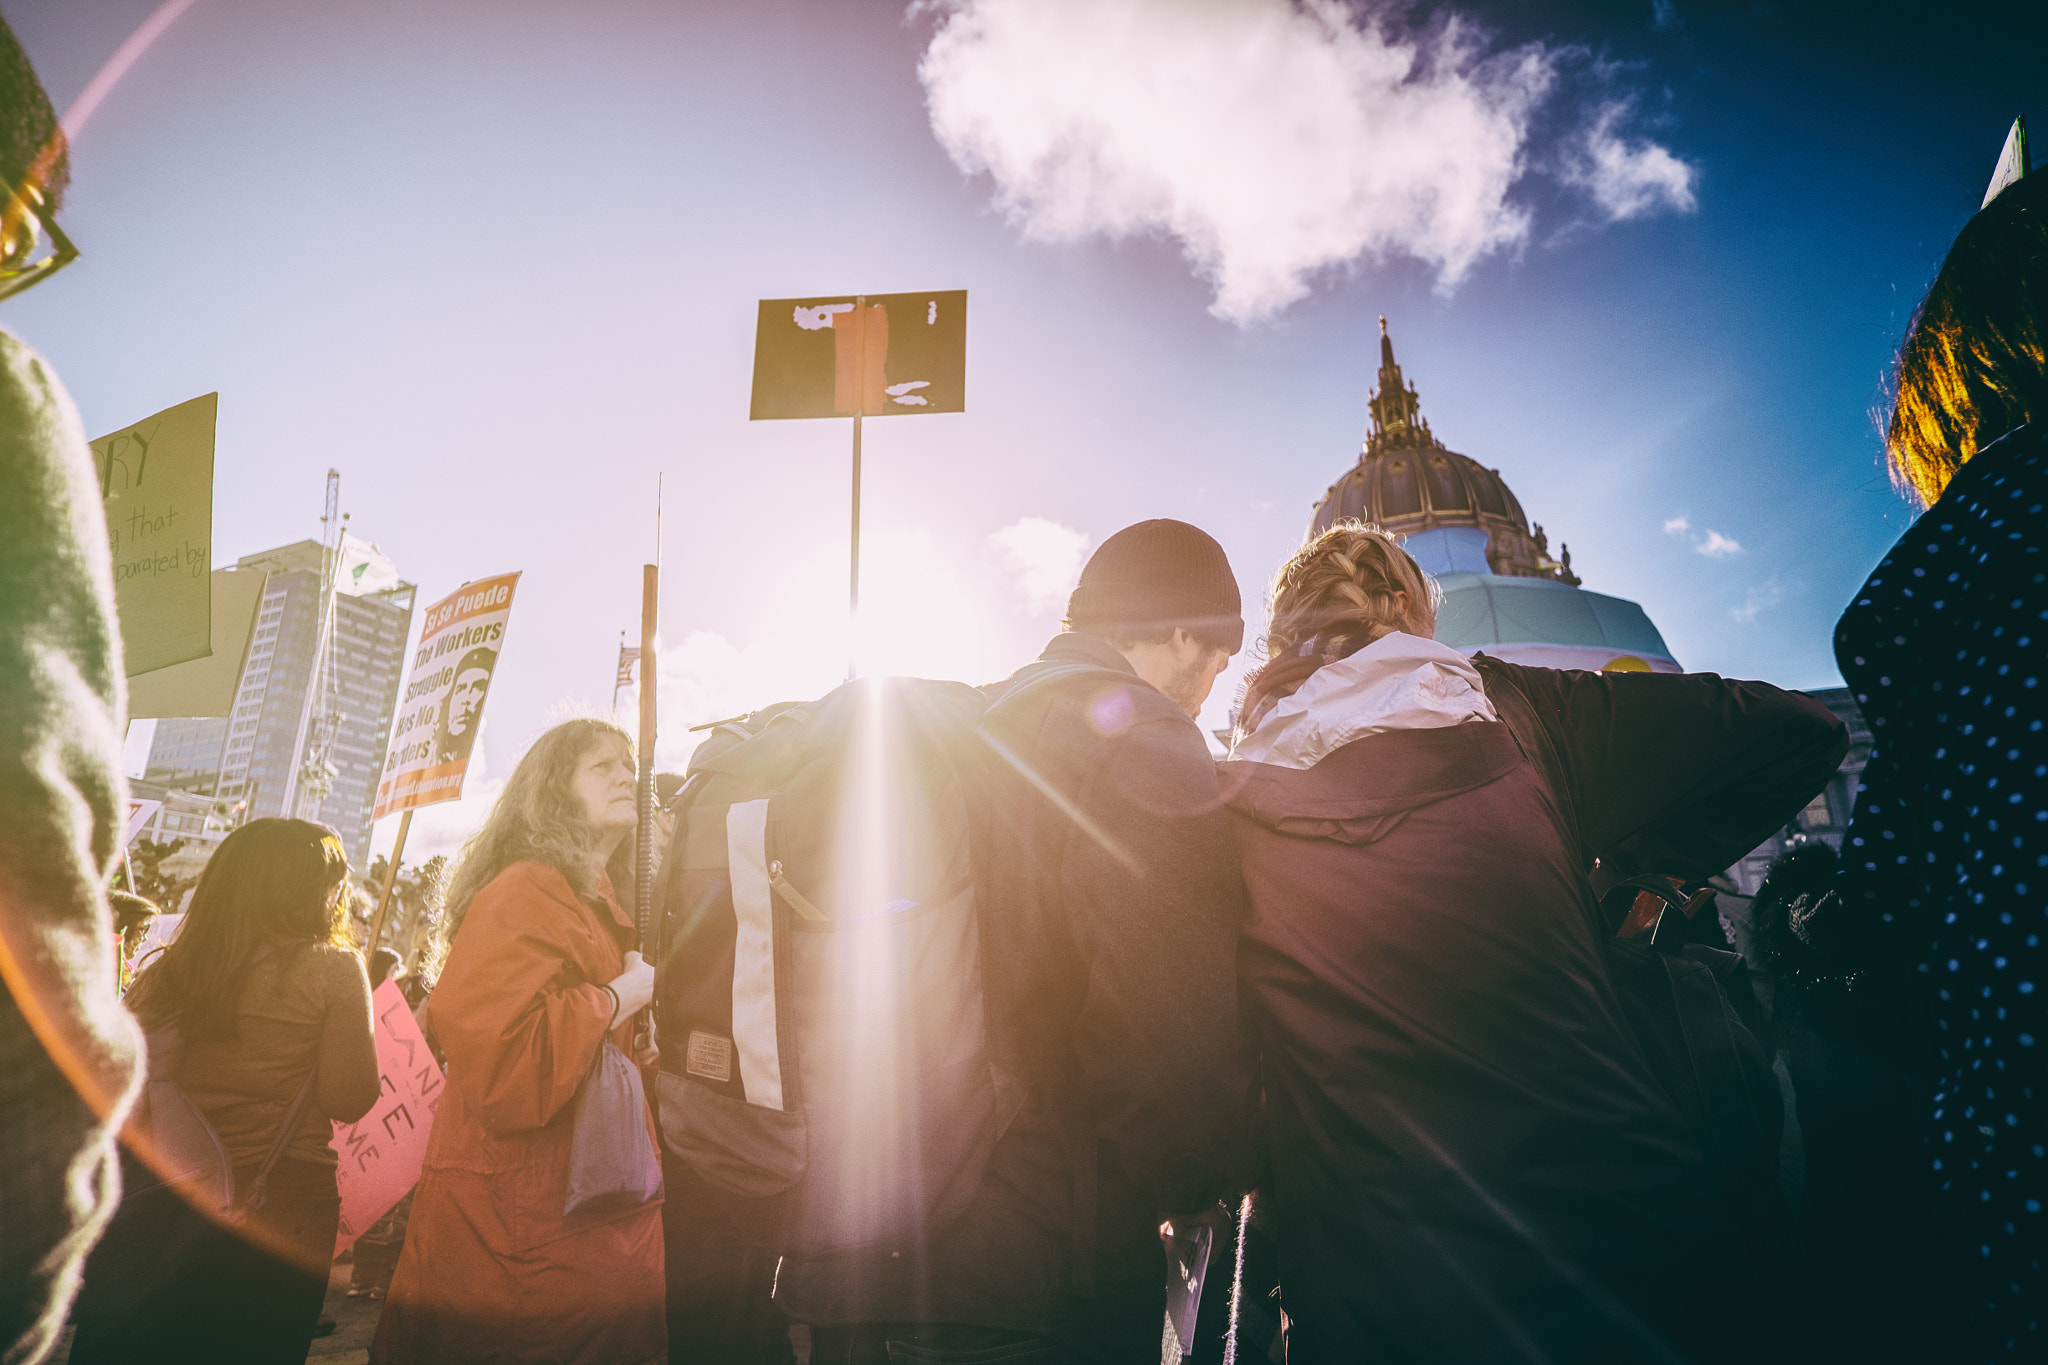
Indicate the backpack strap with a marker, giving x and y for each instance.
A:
(259, 1188)
(1082, 1155)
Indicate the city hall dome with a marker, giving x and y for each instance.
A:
(1408, 481)
(1502, 591)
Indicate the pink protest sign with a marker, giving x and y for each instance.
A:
(381, 1152)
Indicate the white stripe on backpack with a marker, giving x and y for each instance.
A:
(753, 953)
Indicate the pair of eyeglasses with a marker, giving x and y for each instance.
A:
(24, 206)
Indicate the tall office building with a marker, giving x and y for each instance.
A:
(309, 726)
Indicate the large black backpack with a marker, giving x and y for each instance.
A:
(825, 1064)
(1690, 1007)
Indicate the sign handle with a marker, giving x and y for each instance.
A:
(390, 880)
(853, 568)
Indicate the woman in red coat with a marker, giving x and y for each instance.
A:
(537, 976)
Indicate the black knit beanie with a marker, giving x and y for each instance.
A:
(1160, 573)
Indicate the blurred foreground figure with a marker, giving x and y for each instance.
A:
(68, 1052)
(537, 977)
(259, 1013)
(1109, 908)
(1929, 943)
(1471, 1156)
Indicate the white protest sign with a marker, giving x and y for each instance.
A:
(381, 1152)
(156, 481)
(139, 814)
(442, 707)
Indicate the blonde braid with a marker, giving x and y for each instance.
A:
(1343, 590)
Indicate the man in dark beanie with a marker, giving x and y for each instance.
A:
(68, 1051)
(1162, 593)
(1111, 901)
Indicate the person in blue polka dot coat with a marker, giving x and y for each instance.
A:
(1945, 865)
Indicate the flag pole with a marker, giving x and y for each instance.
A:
(615, 674)
(643, 878)
(390, 880)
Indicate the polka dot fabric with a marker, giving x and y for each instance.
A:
(1946, 649)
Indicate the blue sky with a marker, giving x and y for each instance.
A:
(497, 262)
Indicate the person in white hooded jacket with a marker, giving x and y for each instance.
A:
(1469, 1156)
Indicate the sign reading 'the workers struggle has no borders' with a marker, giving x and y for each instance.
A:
(873, 355)
(442, 707)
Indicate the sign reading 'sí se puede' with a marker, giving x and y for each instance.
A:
(156, 484)
(872, 355)
(442, 707)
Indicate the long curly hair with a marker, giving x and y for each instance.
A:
(537, 819)
(1340, 592)
(272, 883)
(1974, 363)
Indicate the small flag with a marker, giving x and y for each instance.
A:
(628, 656)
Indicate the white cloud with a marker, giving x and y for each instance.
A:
(1718, 546)
(1628, 177)
(1677, 526)
(1272, 138)
(1759, 599)
(1046, 559)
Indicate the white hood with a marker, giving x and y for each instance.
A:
(1398, 682)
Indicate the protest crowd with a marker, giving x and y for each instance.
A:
(1008, 1023)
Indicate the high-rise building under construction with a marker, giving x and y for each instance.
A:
(313, 710)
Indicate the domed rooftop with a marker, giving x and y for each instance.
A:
(1408, 481)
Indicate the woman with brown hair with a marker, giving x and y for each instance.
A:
(259, 1010)
(1469, 1156)
(1933, 977)
(537, 977)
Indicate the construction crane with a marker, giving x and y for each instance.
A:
(320, 719)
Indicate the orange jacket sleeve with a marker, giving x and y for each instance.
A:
(516, 1015)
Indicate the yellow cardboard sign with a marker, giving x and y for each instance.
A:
(156, 479)
(206, 687)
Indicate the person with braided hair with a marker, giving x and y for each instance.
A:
(1467, 1150)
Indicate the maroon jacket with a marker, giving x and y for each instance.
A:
(1470, 1157)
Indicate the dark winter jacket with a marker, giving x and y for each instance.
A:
(1471, 1158)
(1110, 938)
(1942, 894)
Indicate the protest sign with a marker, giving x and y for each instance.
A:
(206, 686)
(381, 1152)
(139, 814)
(874, 355)
(156, 482)
(442, 707)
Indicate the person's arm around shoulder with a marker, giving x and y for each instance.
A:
(1154, 906)
(1682, 773)
(348, 1081)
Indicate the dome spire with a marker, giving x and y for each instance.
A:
(1397, 420)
